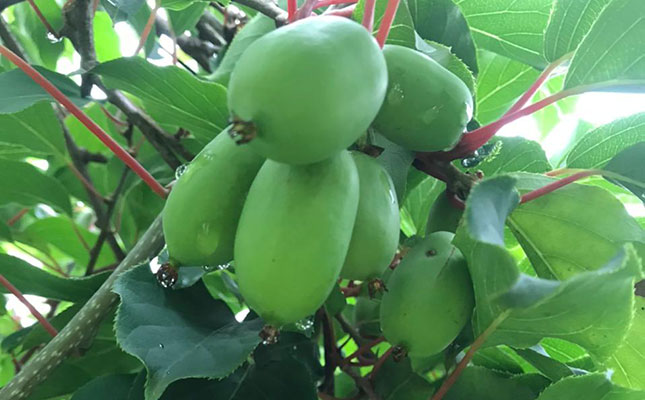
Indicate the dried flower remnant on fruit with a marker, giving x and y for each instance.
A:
(269, 335)
(167, 275)
(242, 131)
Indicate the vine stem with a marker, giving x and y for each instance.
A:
(556, 185)
(477, 344)
(121, 153)
(42, 19)
(14, 290)
(292, 7)
(148, 27)
(386, 22)
(537, 84)
(368, 15)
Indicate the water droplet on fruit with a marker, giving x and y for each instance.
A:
(395, 95)
(431, 114)
(161, 345)
(392, 196)
(180, 170)
(304, 324)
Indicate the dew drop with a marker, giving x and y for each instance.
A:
(180, 170)
(161, 345)
(395, 95)
(52, 38)
(305, 324)
(209, 268)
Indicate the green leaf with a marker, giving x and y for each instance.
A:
(527, 309)
(177, 5)
(551, 228)
(509, 27)
(5, 232)
(589, 387)
(171, 92)
(35, 128)
(627, 362)
(570, 22)
(441, 21)
(443, 55)
(108, 387)
(598, 147)
(285, 379)
(24, 184)
(483, 384)
(499, 358)
(629, 164)
(396, 160)
(31, 280)
(257, 27)
(106, 39)
(179, 333)
(187, 18)
(552, 369)
(62, 233)
(500, 82)
(120, 10)
(397, 381)
(611, 53)
(18, 91)
(419, 200)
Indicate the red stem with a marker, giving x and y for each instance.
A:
(326, 3)
(148, 27)
(11, 288)
(386, 22)
(292, 7)
(536, 85)
(121, 153)
(368, 15)
(112, 118)
(42, 19)
(343, 12)
(363, 349)
(447, 384)
(557, 185)
(17, 217)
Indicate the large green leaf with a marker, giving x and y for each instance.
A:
(31, 280)
(24, 184)
(172, 93)
(510, 154)
(187, 18)
(18, 91)
(397, 381)
(441, 21)
(106, 40)
(524, 309)
(35, 128)
(62, 233)
(418, 202)
(500, 82)
(612, 53)
(627, 362)
(629, 164)
(179, 333)
(570, 21)
(402, 30)
(589, 387)
(597, 147)
(538, 358)
(484, 384)
(509, 27)
(551, 228)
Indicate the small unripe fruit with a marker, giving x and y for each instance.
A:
(426, 107)
(303, 92)
(429, 297)
(202, 211)
(376, 231)
(293, 236)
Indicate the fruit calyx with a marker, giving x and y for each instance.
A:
(269, 334)
(242, 131)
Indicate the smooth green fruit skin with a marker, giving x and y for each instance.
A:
(293, 236)
(426, 107)
(310, 88)
(429, 297)
(376, 231)
(443, 215)
(258, 26)
(202, 211)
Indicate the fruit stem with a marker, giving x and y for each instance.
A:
(537, 84)
(379, 363)
(42, 19)
(447, 384)
(363, 349)
(477, 138)
(14, 290)
(292, 7)
(326, 3)
(368, 15)
(146, 30)
(121, 153)
(386, 22)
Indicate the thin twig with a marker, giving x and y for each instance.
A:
(42, 19)
(11, 288)
(148, 27)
